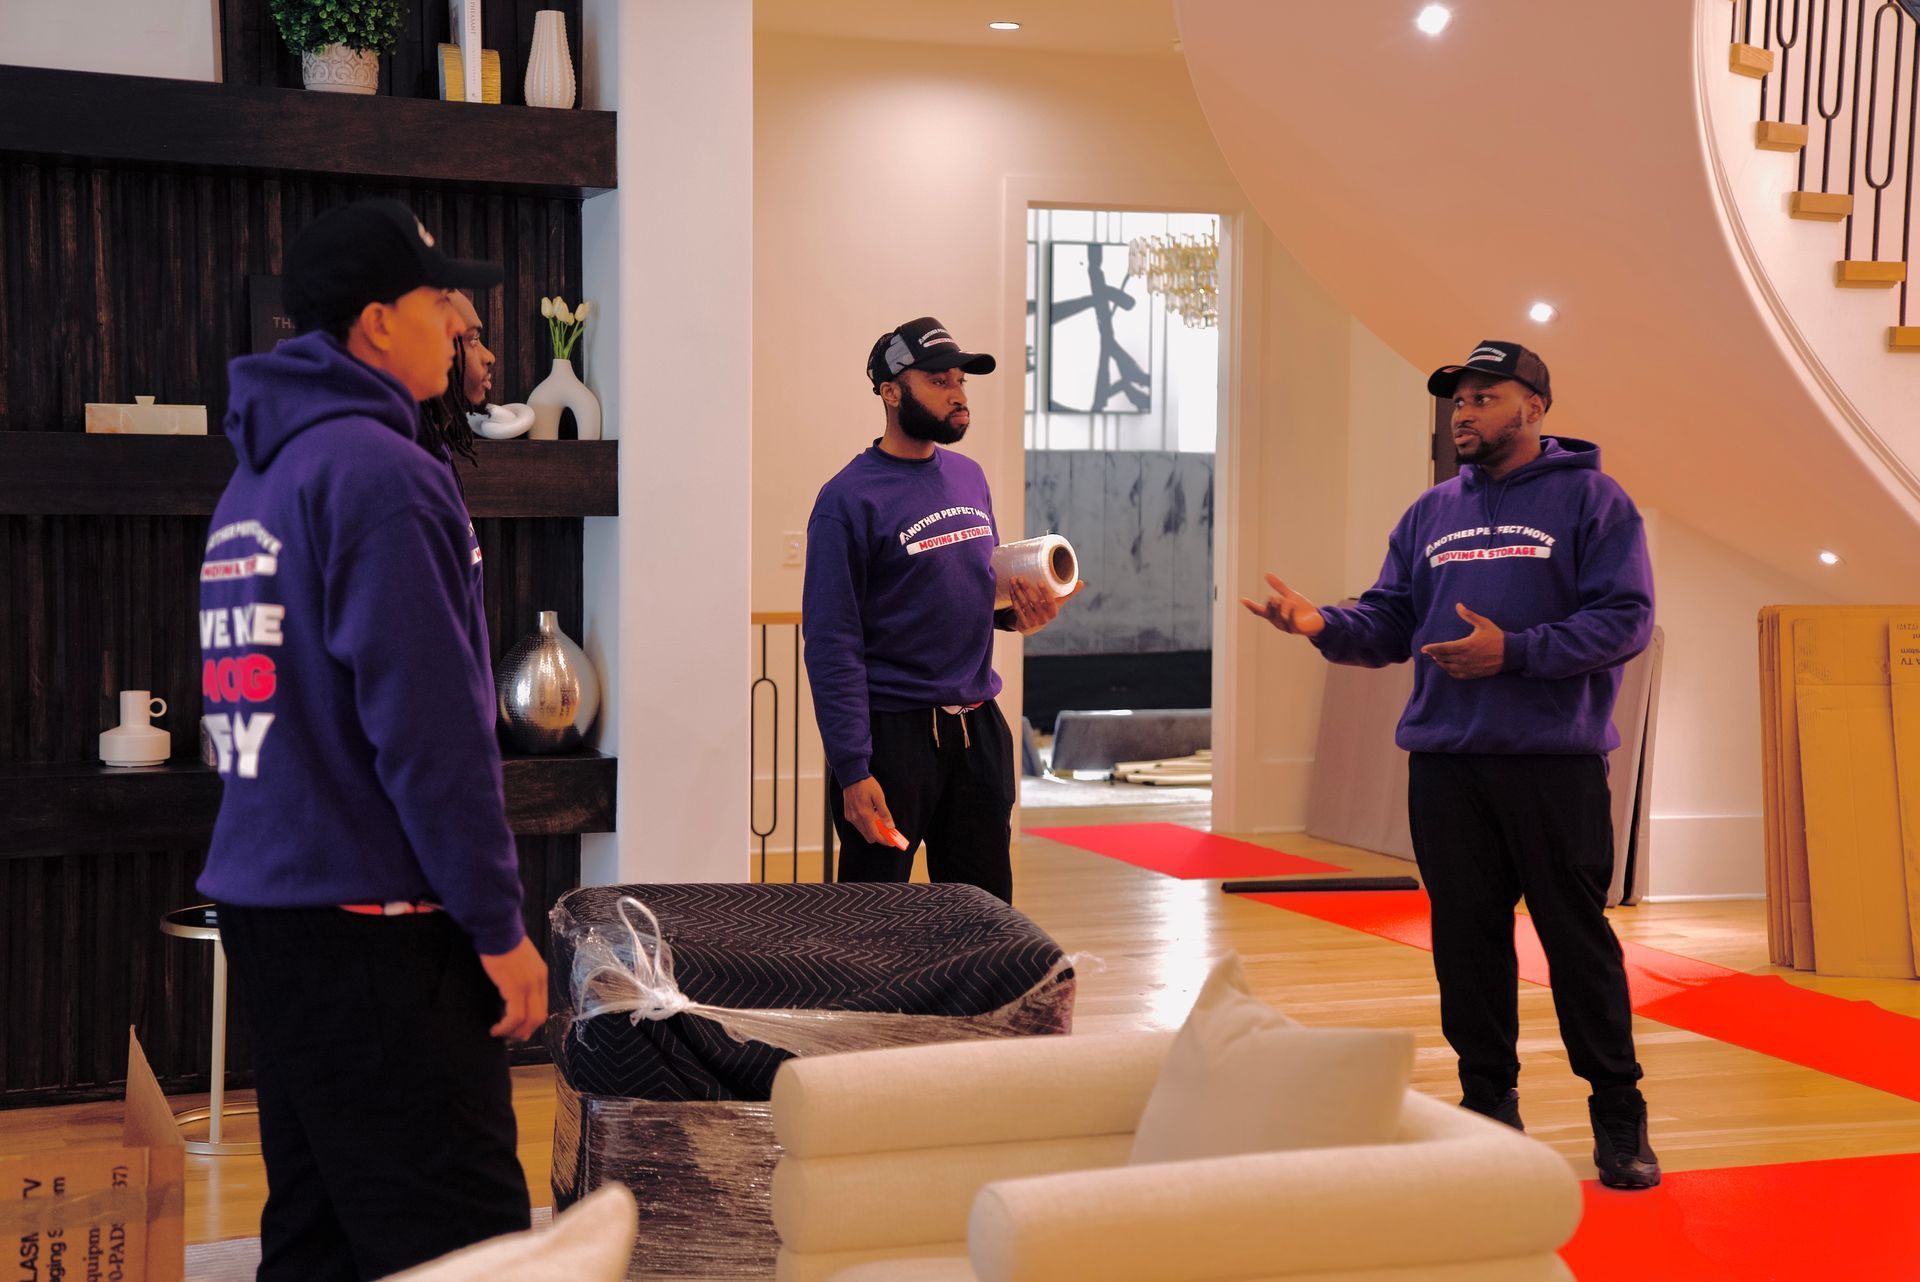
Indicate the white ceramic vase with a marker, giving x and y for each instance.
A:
(338, 69)
(550, 64)
(563, 390)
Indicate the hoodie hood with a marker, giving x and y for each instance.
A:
(1556, 453)
(307, 380)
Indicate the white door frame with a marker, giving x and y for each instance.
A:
(1236, 452)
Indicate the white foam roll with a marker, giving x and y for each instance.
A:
(1047, 560)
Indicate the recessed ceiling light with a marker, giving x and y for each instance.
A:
(1829, 558)
(1434, 19)
(1541, 313)
(1004, 26)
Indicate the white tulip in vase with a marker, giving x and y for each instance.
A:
(562, 389)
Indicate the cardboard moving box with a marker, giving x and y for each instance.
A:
(94, 1213)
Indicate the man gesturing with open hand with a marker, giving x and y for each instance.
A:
(1508, 728)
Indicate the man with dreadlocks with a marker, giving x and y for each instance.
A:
(447, 431)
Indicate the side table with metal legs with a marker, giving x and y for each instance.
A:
(201, 923)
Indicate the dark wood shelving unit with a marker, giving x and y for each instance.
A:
(189, 124)
(138, 209)
(90, 808)
(77, 474)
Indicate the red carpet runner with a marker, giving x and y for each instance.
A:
(1857, 1041)
(1182, 852)
(1850, 1218)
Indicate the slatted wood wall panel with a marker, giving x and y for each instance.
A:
(117, 282)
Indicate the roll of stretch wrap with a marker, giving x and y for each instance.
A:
(1048, 561)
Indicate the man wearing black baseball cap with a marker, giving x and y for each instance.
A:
(1508, 729)
(366, 880)
(899, 610)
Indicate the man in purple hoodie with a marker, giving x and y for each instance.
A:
(1541, 559)
(366, 880)
(898, 604)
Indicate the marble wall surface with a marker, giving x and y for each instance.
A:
(1142, 523)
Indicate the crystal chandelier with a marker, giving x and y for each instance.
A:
(1184, 270)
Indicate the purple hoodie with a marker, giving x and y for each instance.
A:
(898, 600)
(345, 672)
(1556, 556)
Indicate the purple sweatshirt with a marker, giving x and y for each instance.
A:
(898, 599)
(1556, 556)
(345, 672)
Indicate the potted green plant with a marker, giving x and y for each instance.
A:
(339, 41)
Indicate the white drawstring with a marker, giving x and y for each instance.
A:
(966, 735)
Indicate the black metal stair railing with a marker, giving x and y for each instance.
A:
(771, 720)
(1851, 78)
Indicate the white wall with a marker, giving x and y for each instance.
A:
(1389, 449)
(669, 263)
(854, 232)
(177, 39)
(1706, 834)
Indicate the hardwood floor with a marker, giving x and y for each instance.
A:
(1146, 941)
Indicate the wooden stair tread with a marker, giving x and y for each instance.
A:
(1868, 273)
(1751, 61)
(1773, 135)
(1903, 338)
(1821, 206)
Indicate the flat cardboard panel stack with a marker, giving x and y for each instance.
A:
(1840, 716)
(102, 1211)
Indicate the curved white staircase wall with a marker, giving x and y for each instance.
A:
(1438, 187)
(1839, 334)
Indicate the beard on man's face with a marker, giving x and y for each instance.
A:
(922, 424)
(1493, 446)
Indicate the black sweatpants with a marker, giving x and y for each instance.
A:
(386, 1111)
(949, 782)
(1488, 830)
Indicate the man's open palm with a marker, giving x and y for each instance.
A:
(1287, 610)
(1480, 653)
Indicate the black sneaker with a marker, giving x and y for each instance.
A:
(1621, 1152)
(1501, 1108)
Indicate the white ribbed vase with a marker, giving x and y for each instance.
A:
(562, 390)
(338, 69)
(550, 65)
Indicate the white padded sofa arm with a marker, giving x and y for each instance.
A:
(1465, 1189)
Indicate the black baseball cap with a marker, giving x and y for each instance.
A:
(371, 251)
(1501, 359)
(922, 344)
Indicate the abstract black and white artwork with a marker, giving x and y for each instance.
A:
(1099, 333)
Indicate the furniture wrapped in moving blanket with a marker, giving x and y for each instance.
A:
(674, 1006)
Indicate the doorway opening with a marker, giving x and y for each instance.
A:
(1122, 421)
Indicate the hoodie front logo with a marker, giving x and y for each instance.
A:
(1539, 549)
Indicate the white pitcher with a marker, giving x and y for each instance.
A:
(135, 741)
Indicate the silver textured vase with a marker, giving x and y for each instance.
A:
(548, 693)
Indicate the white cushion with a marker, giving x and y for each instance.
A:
(1243, 1078)
(590, 1242)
